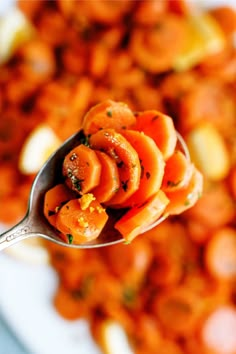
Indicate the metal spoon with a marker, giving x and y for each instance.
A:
(35, 223)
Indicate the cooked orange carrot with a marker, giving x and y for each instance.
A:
(138, 218)
(149, 12)
(126, 158)
(160, 128)
(81, 220)
(54, 199)
(178, 310)
(226, 17)
(178, 171)
(232, 181)
(150, 45)
(69, 305)
(186, 197)
(109, 181)
(108, 114)
(152, 166)
(82, 169)
(148, 338)
(130, 270)
(216, 207)
(220, 254)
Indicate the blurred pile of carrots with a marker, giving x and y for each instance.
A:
(173, 289)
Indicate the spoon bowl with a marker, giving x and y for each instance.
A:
(35, 224)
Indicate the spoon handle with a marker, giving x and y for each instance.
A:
(17, 233)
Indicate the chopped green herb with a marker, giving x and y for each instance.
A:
(148, 175)
(51, 212)
(142, 168)
(109, 113)
(172, 183)
(73, 156)
(155, 118)
(129, 296)
(85, 288)
(120, 164)
(76, 183)
(70, 238)
(85, 140)
(127, 242)
(69, 173)
(124, 185)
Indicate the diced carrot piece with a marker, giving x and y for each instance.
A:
(220, 254)
(82, 169)
(186, 197)
(54, 199)
(109, 181)
(81, 220)
(137, 219)
(126, 158)
(160, 128)
(178, 171)
(152, 166)
(108, 114)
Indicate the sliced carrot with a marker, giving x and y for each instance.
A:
(186, 197)
(81, 220)
(178, 310)
(178, 171)
(108, 114)
(69, 306)
(126, 158)
(110, 182)
(54, 199)
(216, 207)
(152, 166)
(220, 254)
(82, 169)
(138, 218)
(154, 48)
(160, 128)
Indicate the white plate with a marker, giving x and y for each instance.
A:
(26, 293)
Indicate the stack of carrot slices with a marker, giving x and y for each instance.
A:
(129, 161)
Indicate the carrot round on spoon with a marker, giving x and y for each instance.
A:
(186, 197)
(81, 220)
(110, 181)
(152, 166)
(140, 217)
(127, 166)
(82, 169)
(121, 151)
(54, 199)
(178, 171)
(108, 114)
(160, 128)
